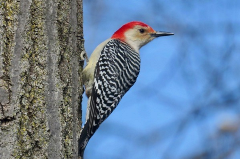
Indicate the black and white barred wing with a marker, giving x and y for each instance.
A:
(115, 73)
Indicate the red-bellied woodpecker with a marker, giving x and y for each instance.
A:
(111, 71)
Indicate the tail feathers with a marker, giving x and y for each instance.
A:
(83, 141)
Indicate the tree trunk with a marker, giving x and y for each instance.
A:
(40, 78)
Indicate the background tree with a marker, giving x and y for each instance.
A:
(40, 78)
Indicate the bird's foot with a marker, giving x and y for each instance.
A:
(84, 56)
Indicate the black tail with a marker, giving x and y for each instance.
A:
(83, 141)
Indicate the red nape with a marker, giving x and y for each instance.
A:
(119, 34)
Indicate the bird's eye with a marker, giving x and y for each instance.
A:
(141, 31)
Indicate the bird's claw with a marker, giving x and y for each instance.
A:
(84, 56)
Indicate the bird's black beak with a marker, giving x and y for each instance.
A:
(161, 33)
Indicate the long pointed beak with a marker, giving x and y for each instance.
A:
(161, 33)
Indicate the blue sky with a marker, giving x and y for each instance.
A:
(175, 78)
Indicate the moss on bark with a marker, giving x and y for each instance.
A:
(32, 133)
(41, 75)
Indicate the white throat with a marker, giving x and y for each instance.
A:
(136, 45)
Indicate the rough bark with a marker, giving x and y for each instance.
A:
(40, 78)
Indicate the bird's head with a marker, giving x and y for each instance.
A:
(137, 34)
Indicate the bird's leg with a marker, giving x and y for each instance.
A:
(84, 56)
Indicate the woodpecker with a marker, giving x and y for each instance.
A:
(111, 71)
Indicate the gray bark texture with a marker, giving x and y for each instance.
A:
(40, 78)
